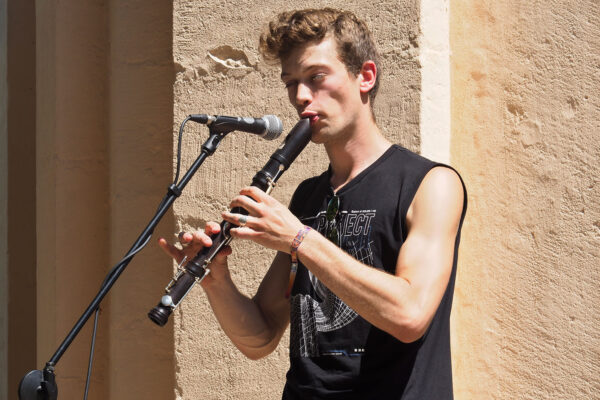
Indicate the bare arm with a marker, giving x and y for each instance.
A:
(254, 325)
(402, 304)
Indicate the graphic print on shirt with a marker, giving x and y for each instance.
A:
(327, 312)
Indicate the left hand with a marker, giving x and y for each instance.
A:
(269, 223)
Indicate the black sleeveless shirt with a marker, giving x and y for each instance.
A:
(334, 352)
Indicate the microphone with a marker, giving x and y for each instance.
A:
(268, 127)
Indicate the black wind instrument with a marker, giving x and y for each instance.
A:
(197, 268)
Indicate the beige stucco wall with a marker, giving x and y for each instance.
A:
(434, 63)
(525, 114)
(114, 80)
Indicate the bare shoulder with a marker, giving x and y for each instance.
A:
(442, 181)
(438, 201)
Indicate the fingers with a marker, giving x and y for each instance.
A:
(248, 204)
(211, 228)
(245, 233)
(253, 200)
(263, 214)
(185, 239)
(256, 194)
(191, 242)
(239, 220)
(222, 254)
(171, 250)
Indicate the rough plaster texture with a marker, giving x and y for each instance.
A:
(525, 114)
(434, 60)
(218, 71)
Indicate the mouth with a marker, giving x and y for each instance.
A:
(311, 115)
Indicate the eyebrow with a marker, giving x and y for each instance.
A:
(309, 68)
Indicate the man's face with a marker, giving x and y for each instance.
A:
(321, 88)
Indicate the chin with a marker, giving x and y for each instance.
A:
(326, 135)
(318, 137)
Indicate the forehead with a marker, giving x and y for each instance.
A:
(323, 53)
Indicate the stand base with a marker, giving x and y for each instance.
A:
(38, 385)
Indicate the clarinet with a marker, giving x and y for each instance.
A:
(197, 268)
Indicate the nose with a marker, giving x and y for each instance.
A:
(303, 95)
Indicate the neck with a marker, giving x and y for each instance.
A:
(355, 152)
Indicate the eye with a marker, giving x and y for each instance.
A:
(289, 84)
(317, 77)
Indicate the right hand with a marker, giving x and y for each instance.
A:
(192, 243)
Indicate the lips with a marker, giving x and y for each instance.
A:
(312, 116)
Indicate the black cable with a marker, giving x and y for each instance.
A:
(179, 149)
(128, 256)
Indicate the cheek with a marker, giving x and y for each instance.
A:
(339, 91)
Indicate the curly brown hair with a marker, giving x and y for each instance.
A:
(291, 29)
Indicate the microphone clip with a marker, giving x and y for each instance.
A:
(213, 141)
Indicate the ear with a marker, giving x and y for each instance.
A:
(367, 76)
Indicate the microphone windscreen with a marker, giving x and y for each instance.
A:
(274, 127)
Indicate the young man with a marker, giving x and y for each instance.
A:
(370, 304)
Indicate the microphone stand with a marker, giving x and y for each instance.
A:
(41, 385)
